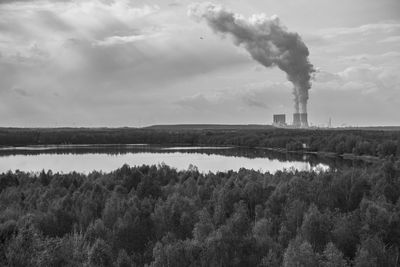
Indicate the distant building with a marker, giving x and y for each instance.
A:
(279, 120)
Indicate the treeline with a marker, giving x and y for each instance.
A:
(157, 216)
(358, 142)
(362, 142)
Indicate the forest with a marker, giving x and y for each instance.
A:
(158, 216)
(375, 143)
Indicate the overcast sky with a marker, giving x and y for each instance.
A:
(137, 63)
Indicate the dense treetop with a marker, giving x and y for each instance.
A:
(158, 216)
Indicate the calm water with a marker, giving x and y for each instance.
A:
(86, 158)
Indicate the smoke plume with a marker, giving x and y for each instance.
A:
(267, 41)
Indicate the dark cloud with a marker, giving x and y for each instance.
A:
(20, 91)
(175, 4)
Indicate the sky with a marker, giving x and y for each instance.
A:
(137, 63)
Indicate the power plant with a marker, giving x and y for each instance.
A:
(300, 120)
(269, 43)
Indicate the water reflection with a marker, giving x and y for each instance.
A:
(85, 158)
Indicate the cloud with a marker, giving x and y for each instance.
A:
(80, 24)
(20, 91)
(108, 62)
(363, 78)
(25, 1)
(394, 39)
(369, 38)
(197, 101)
(175, 4)
(118, 40)
(252, 100)
(365, 30)
(100, 58)
(253, 96)
(392, 56)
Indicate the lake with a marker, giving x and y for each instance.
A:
(86, 158)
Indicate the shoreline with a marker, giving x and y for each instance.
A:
(347, 156)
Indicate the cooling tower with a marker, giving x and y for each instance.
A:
(303, 120)
(279, 119)
(296, 120)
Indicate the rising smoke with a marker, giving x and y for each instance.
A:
(267, 41)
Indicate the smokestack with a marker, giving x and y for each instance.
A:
(296, 120)
(267, 41)
(304, 120)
